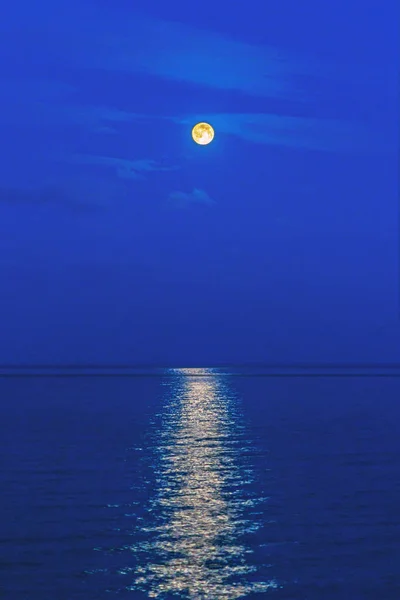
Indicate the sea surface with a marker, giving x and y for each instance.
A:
(200, 483)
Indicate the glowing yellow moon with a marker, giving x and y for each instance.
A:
(203, 133)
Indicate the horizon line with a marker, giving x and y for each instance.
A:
(296, 365)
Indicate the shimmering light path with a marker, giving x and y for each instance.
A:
(196, 519)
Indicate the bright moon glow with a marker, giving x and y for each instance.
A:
(203, 133)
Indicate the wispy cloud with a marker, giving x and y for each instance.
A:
(298, 132)
(84, 36)
(332, 135)
(181, 52)
(185, 199)
(126, 169)
(261, 128)
(87, 36)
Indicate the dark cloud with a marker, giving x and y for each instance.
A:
(77, 195)
(40, 196)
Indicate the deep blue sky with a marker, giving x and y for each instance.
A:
(123, 241)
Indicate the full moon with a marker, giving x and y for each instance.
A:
(203, 133)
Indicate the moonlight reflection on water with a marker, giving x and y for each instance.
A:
(194, 548)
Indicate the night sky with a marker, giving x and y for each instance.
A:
(122, 241)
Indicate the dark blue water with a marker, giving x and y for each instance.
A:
(198, 484)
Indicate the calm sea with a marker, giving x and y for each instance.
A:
(200, 484)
